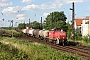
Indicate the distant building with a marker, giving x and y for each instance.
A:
(77, 24)
(82, 25)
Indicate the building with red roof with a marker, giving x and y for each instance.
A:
(82, 25)
(78, 21)
(77, 24)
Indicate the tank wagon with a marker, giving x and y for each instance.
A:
(36, 33)
(24, 31)
(43, 34)
(31, 32)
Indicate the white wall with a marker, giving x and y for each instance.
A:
(84, 28)
(77, 28)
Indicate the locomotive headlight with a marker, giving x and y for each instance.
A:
(63, 37)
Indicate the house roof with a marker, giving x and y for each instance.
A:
(86, 18)
(78, 21)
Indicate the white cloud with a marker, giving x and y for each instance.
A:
(50, 5)
(36, 7)
(21, 17)
(45, 14)
(70, 1)
(27, 1)
(4, 3)
(12, 10)
(30, 7)
(42, 6)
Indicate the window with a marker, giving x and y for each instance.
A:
(87, 22)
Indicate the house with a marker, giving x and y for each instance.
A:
(85, 26)
(77, 24)
(82, 25)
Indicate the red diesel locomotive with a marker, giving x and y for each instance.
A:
(58, 36)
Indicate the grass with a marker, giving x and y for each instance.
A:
(79, 43)
(36, 51)
(8, 52)
(84, 43)
(9, 32)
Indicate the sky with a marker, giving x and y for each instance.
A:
(23, 10)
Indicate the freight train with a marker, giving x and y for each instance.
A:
(56, 36)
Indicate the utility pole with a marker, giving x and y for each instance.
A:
(41, 24)
(29, 22)
(73, 17)
(52, 21)
(2, 23)
(24, 25)
(12, 27)
(11, 21)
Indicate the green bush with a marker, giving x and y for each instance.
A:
(78, 36)
(86, 38)
(68, 34)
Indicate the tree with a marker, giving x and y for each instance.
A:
(69, 30)
(22, 26)
(35, 25)
(55, 20)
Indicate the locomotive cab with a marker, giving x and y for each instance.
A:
(58, 35)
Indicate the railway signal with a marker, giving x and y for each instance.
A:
(73, 16)
(52, 21)
(41, 24)
(29, 22)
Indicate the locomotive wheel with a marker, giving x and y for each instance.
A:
(65, 42)
(53, 41)
(50, 40)
(42, 38)
(46, 39)
(61, 43)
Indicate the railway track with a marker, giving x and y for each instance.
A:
(73, 50)
(81, 51)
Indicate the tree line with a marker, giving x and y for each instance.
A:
(53, 20)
